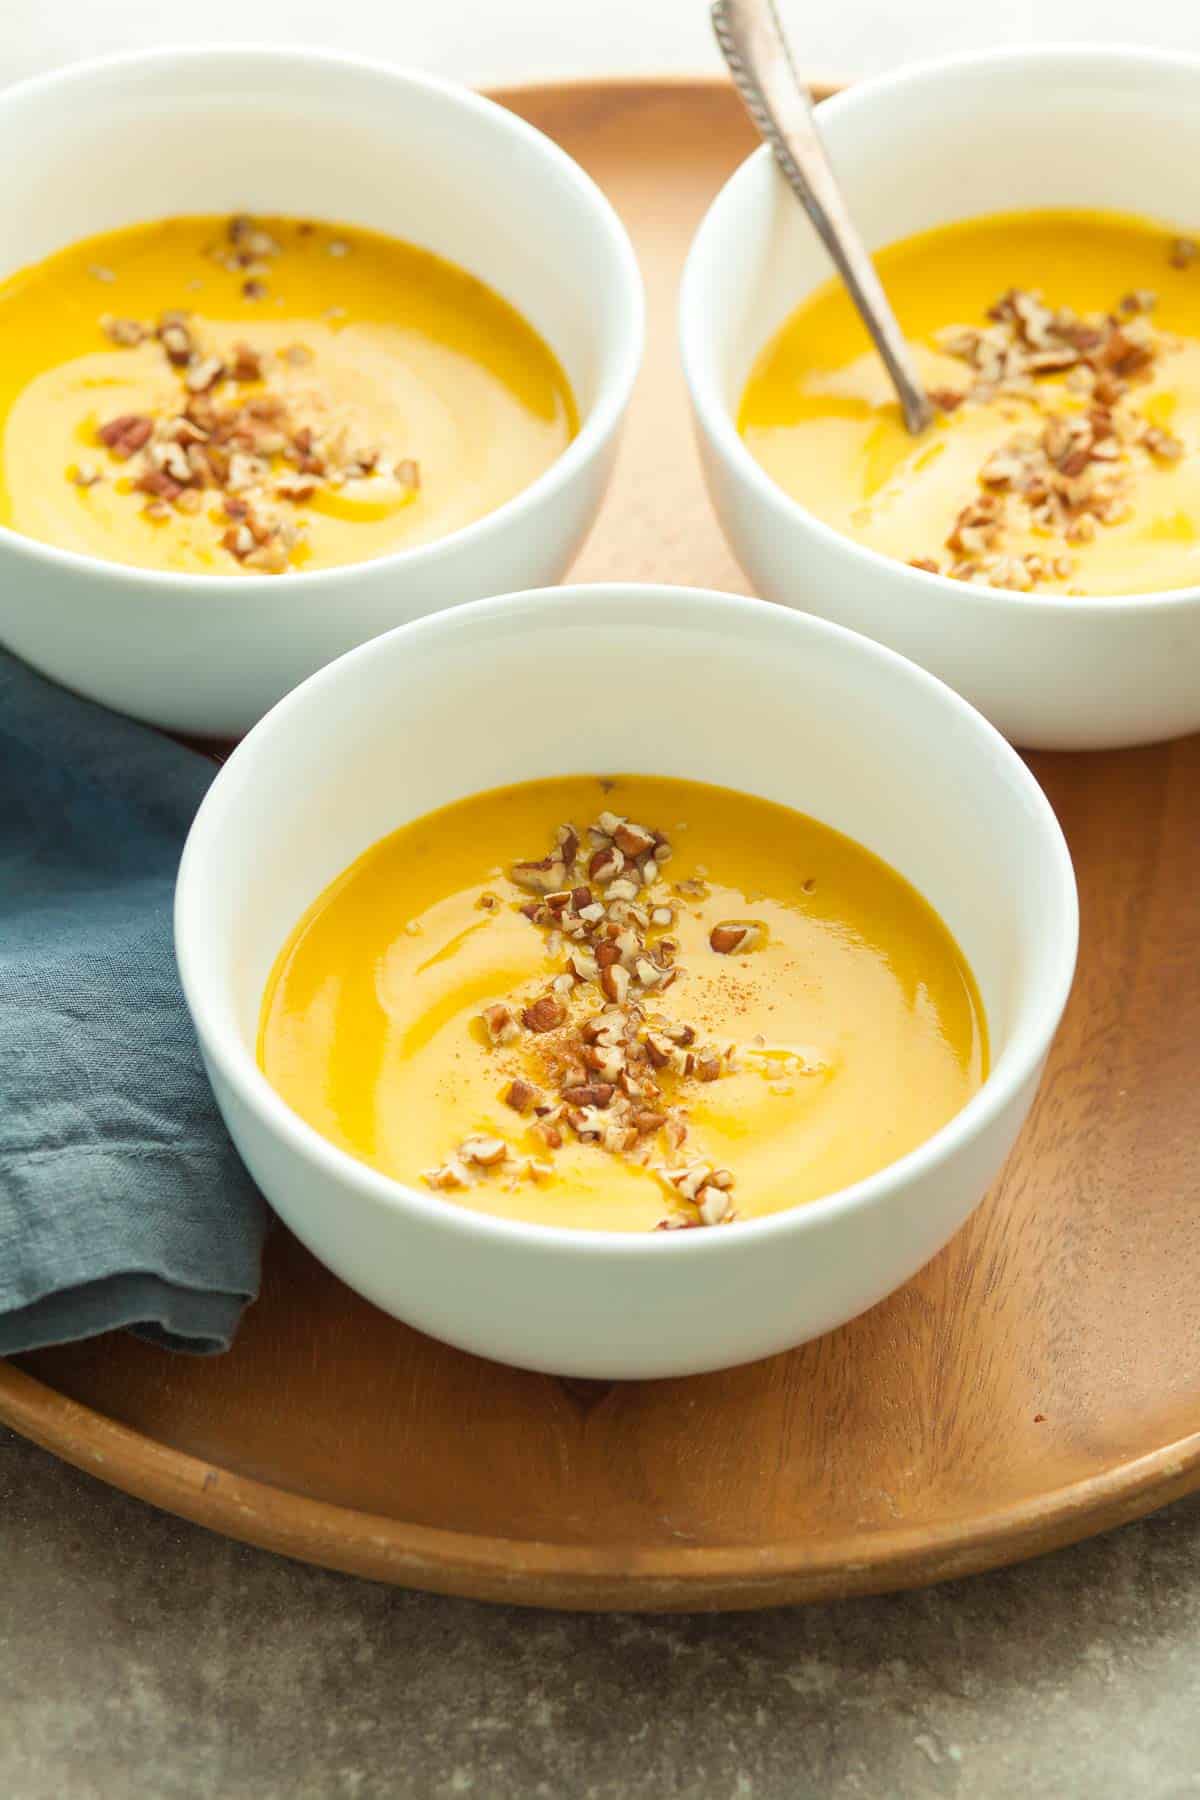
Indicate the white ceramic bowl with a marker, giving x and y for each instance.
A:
(1105, 128)
(109, 143)
(670, 681)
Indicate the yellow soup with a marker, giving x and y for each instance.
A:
(215, 396)
(785, 1015)
(1064, 350)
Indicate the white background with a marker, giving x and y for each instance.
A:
(523, 40)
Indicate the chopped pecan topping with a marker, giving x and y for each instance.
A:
(1073, 473)
(255, 446)
(600, 1063)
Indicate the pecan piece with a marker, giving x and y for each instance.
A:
(596, 1093)
(126, 433)
(734, 936)
(605, 865)
(450, 1175)
(1162, 443)
(713, 1203)
(614, 982)
(545, 1014)
(247, 366)
(203, 373)
(689, 1181)
(126, 332)
(175, 339)
(633, 840)
(499, 1023)
(485, 1151)
(605, 1060)
(544, 877)
(160, 484)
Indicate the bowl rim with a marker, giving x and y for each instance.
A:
(1038, 1015)
(618, 371)
(697, 344)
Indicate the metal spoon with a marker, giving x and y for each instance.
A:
(753, 44)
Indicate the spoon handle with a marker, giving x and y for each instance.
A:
(752, 43)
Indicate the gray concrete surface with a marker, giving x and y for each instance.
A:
(140, 1656)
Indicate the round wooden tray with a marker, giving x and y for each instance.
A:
(1039, 1381)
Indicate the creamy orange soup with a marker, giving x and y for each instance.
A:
(1063, 349)
(218, 396)
(704, 1008)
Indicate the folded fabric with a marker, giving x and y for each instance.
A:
(122, 1200)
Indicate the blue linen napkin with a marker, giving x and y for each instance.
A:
(122, 1200)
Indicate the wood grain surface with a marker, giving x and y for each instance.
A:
(1040, 1380)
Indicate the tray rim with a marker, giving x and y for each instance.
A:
(735, 1577)
(581, 1577)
